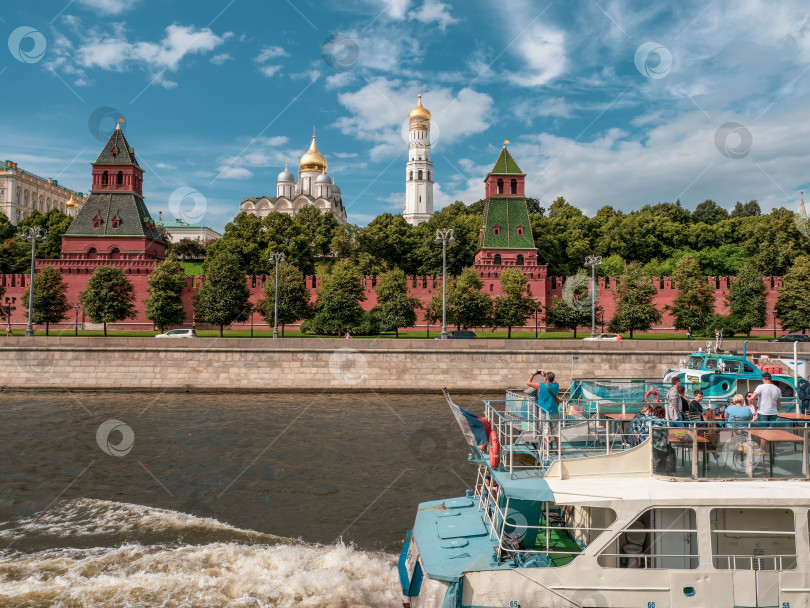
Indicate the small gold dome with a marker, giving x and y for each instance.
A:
(420, 112)
(71, 204)
(313, 160)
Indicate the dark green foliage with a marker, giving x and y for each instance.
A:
(166, 284)
(635, 310)
(109, 296)
(562, 316)
(293, 297)
(467, 305)
(56, 223)
(709, 212)
(395, 308)
(793, 306)
(188, 249)
(746, 301)
(514, 307)
(694, 304)
(50, 299)
(749, 209)
(224, 296)
(338, 306)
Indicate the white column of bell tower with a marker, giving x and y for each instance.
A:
(418, 206)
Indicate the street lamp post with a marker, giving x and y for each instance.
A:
(444, 237)
(10, 301)
(252, 310)
(276, 259)
(593, 261)
(34, 235)
(76, 329)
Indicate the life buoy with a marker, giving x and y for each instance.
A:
(649, 394)
(494, 450)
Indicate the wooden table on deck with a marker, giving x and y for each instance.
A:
(775, 436)
(621, 418)
(795, 416)
(687, 441)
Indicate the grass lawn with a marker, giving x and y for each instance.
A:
(192, 268)
(434, 333)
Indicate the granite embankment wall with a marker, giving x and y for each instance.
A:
(317, 365)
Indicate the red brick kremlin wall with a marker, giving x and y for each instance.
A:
(542, 288)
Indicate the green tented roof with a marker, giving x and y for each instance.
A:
(125, 155)
(508, 214)
(128, 207)
(506, 165)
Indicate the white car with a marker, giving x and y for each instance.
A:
(602, 337)
(178, 333)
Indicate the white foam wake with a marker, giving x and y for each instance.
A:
(215, 575)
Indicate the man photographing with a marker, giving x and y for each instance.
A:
(548, 402)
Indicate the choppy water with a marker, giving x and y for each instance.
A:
(221, 500)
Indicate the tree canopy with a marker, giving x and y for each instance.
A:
(109, 296)
(635, 310)
(224, 296)
(166, 284)
(50, 298)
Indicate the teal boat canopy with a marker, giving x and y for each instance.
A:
(525, 486)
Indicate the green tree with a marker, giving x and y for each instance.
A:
(433, 309)
(390, 239)
(793, 305)
(635, 311)
(746, 300)
(56, 223)
(694, 305)
(338, 306)
(188, 249)
(293, 297)
(612, 266)
(164, 306)
(470, 306)
(50, 299)
(109, 296)
(709, 212)
(515, 306)
(224, 296)
(749, 209)
(395, 308)
(560, 315)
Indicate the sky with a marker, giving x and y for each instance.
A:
(621, 103)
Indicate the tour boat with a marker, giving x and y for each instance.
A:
(616, 515)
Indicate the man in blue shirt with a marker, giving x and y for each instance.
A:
(548, 402)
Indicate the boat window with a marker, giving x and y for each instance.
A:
(732, 366)
(694, 362)
(658, 538)
(753, 539)
(711, 363)
(748, 369)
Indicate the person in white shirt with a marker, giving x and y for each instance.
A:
(674, 400)
(769, 398)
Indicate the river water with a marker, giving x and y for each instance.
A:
(203, 500)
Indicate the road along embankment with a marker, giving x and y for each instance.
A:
(315, 365)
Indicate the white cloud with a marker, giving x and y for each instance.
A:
(109, 7)
(270, 70)
(434, 11)
(394, 9)
(234, 173)
(221, 58)
(270, 52)
(113, 51)
(261, 152)
(340, 80)
(379, 109)
(542, 49)
(528, 110)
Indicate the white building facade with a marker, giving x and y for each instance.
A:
(313, 189)
(418, 206)
(22, 192)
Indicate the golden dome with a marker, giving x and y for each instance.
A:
(71, 204)
(313, 160)
(420, 112)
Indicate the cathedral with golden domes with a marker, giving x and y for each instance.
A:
(314, 188)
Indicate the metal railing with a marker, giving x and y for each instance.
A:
(755, 562)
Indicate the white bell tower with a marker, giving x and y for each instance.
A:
(419, 170)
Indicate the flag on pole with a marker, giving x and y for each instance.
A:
(476, 429)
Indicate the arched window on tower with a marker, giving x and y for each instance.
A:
(519, 260)
(105, 179)
(497, 259)
(428, 175)
(519, 230)
(500, 186)
(411, 176)
(119, 179)
(420, 174)
(513, 186)
(496, 230)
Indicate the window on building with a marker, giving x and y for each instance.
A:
(497, 259)
(740, 541)
(658, 538)
(115, 222)
(105, 179)
(500, 186)
(519, 230)
(2, 195)
(97, 222)
(428, 175)
(119, 180)
(513, 186)
(491, 287)
(420, 174)
(496, 230)
(410, 178)
(519, 260)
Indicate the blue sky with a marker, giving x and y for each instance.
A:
(605, 102)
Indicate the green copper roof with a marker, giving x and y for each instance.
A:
(128, 207)
(507, 214)
(506, 165)
(125, 155)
